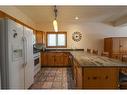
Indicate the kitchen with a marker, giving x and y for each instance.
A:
(88, 50)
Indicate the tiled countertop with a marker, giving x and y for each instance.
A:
(84, 59)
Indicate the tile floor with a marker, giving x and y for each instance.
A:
(54, 78)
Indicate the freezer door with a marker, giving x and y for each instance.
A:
(29, 67)
(16, 55)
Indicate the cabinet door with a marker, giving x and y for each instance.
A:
(50, 59)
(108, 46)
(123, 45)
(39, 37)
(116, 45)
(59, 61)
(106, 79)
(44, 59)
(65, 59)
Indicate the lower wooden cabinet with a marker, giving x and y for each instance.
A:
(55, 59)
(95, 77)
(102, 78)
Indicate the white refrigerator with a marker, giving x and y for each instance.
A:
(16, 55)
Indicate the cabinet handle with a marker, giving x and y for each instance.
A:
(88, 78)
(54, 59)
(94, 78)
(106, 77)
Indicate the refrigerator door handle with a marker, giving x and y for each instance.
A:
(25, 50)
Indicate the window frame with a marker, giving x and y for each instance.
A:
(65, 33)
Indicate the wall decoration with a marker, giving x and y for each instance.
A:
(76, 36)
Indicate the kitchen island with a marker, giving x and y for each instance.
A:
(95, 72)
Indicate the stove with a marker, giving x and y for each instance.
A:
(37, 62)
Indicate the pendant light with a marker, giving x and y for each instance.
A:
(55, 25)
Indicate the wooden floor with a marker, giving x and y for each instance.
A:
(54, 78)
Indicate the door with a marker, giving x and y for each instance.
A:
(15, 55)
(29, 61)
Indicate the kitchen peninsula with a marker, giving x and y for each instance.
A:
(96, 72)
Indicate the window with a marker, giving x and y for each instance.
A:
(56, 40)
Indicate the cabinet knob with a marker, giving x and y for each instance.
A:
(94, 78)
(106, 77)
(88, 78)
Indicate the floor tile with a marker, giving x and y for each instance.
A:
(50, 79)
(47, 85)
(56, 85)
(54, 78)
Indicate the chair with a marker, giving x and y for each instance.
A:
(106, 54)
(88, 50)
(124, 58)
(95, 52)
(123, 78)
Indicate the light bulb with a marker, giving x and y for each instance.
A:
(55, 25)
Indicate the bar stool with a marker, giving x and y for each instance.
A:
(106, 54)
(123, 78)
(95, 52)
(88, 50)
(124, 58)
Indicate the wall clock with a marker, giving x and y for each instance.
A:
(76, 36)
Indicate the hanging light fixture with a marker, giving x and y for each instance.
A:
(55, 25)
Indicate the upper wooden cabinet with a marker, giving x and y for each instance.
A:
(116, 46)
(39, 37)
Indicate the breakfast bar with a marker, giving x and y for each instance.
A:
(96, 72)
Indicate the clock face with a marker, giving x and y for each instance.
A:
(76, 36)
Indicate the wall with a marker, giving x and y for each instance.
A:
(14, 12)
(93, 33)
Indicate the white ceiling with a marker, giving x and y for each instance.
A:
(45, 14)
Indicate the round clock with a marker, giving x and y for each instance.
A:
(76, 36)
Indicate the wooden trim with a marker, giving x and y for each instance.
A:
(60, 32)
(2, 14)
(5, 15)
(83, 78)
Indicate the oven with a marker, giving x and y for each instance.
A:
(37, 64)
(36, 60)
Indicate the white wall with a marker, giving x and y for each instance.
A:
(14, 12)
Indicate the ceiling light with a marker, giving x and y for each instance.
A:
(76, 18)
(55, 24)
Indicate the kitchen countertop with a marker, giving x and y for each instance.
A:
(89, 60)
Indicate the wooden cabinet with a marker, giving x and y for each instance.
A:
(107, 78)
(55, 59)
(39, 37)
(116, 46)
(92, 78)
